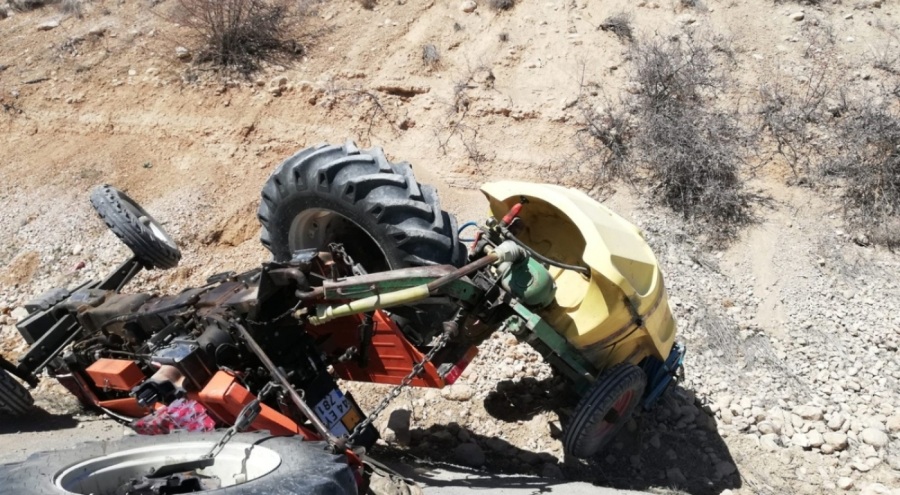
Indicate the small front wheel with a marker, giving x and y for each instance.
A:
(136, 228)
(603, 411)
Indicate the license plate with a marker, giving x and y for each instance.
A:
(338, 414)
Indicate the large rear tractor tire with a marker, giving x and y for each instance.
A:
(604, 410)
(15, 400)
(376, 209)
(250, 463)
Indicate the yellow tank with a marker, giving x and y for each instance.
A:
(621, 312)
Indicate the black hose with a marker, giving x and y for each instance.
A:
(543, 259)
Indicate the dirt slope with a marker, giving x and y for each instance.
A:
(793, 377)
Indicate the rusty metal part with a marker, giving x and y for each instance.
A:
(461, 272)
(286, 385)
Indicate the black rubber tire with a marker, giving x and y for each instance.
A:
(15, 399)
(581, 438)
(123, 216)
(402, 217)
(305, 468)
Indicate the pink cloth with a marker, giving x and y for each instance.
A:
(180, 415)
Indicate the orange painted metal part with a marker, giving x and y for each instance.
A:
(127, 407)
(225, 397)
(391, 357)
(115, 374)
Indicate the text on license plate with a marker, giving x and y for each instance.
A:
(337, 413)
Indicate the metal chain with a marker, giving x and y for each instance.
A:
(395, 392)
(244, 419)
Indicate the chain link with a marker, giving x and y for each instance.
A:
(395, 392)
(246, 417)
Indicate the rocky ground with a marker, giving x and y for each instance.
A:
(792, 378)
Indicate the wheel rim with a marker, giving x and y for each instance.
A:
(317, 227)
(148, 221)
(237, 463)
(611, 422)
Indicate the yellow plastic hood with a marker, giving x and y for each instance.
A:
(619, 313)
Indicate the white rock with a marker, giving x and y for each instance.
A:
(845, 483)
(769, 442)
(893, 423)
(459, 392)
(19, 314)
(767, 427)
(47, 25)
(800, 440)
(468, 6)
(810, 413)
(836, 421)
(182, 53)
(836, 440)
(798, 16)
(876, 489)
(815, 439)
(874, 437)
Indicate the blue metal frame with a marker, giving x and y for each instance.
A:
(660, 374)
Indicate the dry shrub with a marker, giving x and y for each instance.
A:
(794, 113)
(239, 34)
(676, 71)
(502, 4)
(73, 7)
(694, 156)
(367, 4)
(26, 5)
(869, 163)
(620, 25)
(605, 140)
(692, 149)
(673, 133)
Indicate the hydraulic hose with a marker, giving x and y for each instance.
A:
(543, 259)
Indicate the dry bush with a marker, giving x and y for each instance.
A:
(431, 57)
(72, 7)
(694, 157)
(692, 150)
(26, 5)
(502, 4)
(620, 25)
(672, 133)
(239, 35)
(794, 114)
(676, 71)
(605, 140)
(367, 4)
(869, 163)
